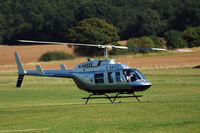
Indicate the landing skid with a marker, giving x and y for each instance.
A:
(112, 97)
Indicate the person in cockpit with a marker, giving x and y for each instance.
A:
(130, 76)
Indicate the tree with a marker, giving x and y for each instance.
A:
(40, 20)
(50, 19)
(101, 9)
(150, 23)
(12, 20)
(92, 30)
(192, 36)
(188, 15)
(174, 39)
(2, 25)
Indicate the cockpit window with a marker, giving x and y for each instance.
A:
(131, 75)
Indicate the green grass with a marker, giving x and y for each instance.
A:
(54, 105)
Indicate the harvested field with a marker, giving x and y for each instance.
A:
(168, 61)
(30, 55)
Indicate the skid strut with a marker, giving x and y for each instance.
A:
(112, 97)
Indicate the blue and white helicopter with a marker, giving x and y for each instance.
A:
(98, 77)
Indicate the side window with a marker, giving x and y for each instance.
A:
(117, 75)
(99, 78)
(110, 79)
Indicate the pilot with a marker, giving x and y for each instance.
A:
(132, 76)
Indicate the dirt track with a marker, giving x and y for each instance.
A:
(30, 54)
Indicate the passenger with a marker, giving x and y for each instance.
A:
(127, 77)
(110, 79)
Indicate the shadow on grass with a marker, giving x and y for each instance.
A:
(196, 67)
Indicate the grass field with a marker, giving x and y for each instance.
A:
(54, 105)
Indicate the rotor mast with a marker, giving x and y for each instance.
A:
(106, 52)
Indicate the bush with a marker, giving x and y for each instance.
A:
(143, 42)
(192, 36)
(55, 55)
(174, 39)
(158, 42)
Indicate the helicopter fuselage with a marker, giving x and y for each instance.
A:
(95, 76)
(101, 82)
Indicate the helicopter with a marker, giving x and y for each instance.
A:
(98, 77)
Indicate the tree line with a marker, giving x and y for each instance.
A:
(51, 19)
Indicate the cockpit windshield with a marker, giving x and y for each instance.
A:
(132, 75)
(140, 73)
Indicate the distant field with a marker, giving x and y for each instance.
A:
(54, 105)
(29, 53)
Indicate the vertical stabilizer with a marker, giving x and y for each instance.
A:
(21, 70)
(20, 67)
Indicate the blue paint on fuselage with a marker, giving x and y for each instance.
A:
(101, 76)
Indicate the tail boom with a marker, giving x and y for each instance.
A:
(64, 73)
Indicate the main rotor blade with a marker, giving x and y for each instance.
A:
(103, 46)
(158, 49)
(74, 44)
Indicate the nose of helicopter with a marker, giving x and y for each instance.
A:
(141, 85)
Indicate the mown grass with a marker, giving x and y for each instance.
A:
(52, 105)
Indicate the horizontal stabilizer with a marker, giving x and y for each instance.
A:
(40, 70)
(63, 67)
